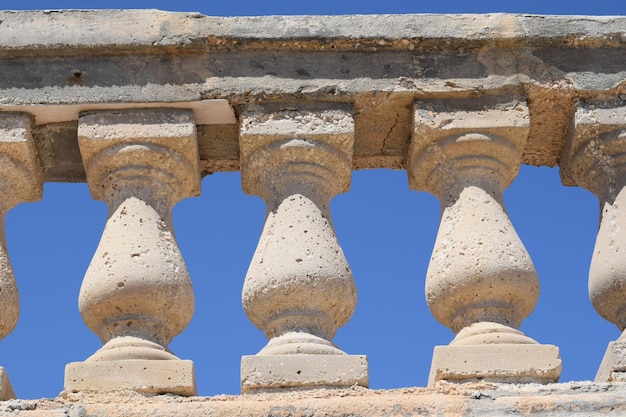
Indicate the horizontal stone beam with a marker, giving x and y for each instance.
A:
(111, 30)
(378, 64)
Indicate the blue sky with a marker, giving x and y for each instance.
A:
(387, 233)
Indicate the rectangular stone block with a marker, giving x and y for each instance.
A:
(613, 366)
(304, 371)
(20, 164)
(497, 363)
(172, 130)
(437, 124)
(149, 376)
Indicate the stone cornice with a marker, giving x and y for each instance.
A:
(379, 64)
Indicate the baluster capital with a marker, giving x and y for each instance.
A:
(22, 177)
(594, 156)
(149, 147)
(472, 144)
(312, 144)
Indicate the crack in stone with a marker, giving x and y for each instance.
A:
(388, 134)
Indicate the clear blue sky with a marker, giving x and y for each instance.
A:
(387, 233)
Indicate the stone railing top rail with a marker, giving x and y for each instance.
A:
(55, 64)
(132, 29)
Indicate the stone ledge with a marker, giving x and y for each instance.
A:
(469, 400)
(124, 30)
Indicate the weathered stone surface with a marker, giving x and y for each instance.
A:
(584, 399)
(481, 281)
(496, 362)
(613, 366)
(380, 64)
(136, 294)
(299, 288)
(21, 180)
(142, 375)
(594, 159)
(262, 373)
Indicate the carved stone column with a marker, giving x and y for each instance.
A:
(299, 288)
(595, 158)
(21, 180)
(481, 282)
(136, 294)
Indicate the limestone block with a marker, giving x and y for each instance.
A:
(496, 363)
(110, 139)
(22, 177)
(142, 375)
(471, 137)
(305, 371)
(272, 140)
(594, 143)
(613, 366)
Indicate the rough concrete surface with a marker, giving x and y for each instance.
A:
(584, 399)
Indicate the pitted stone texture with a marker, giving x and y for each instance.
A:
(299, 279)
(21, 179)
(142, 375)
(484, 136)
(613, 366)
(110, 139)
(522, 363)
(272, 137)
(593, 144)
(481, 281)
(299, 288)
(137, 278)
(478, 399)
(137, 294)
(595, 158)
(264, 373)
(480, 271)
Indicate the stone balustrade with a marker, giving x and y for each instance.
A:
(141, 105)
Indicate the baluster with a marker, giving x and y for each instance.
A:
(299, 288)
(21, 180)
(595, 158)
(481, 282)
(136, 294)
